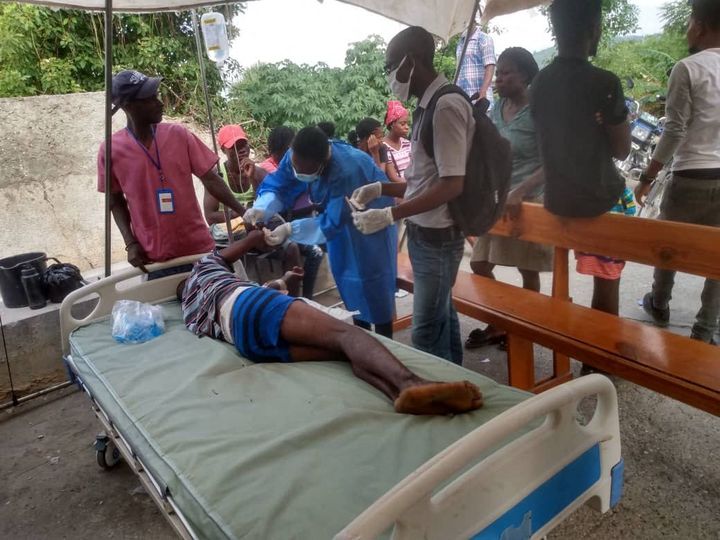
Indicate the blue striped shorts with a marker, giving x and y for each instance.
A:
(257, 316)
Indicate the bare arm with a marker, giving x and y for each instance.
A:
(235, 251)
(391, 172)
(619, 137)
(487, 80)
(121, 214)
(394, 189)
(439, 193)
(532, 182)
(258, 176)
(136, 254)
(515, 198)
(219, 189)
(211, 209)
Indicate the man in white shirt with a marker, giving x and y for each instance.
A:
(692, 136)
(435, 242)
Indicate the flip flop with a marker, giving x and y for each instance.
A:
(479, 338)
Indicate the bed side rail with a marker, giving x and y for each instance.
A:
(514, 478)
(125, 285)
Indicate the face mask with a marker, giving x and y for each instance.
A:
(400, 89)
(307, 178)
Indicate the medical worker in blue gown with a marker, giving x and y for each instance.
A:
(364, 266)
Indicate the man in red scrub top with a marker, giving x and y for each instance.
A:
(152, 195)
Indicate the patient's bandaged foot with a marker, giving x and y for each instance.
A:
(439, 398)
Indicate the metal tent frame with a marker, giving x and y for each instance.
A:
(108, 16)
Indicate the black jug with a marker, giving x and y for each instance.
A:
(32, 283)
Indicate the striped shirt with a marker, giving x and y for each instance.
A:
(401, 158)
(209, 284)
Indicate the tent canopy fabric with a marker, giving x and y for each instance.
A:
(443, 18)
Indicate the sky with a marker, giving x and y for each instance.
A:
(307, 31)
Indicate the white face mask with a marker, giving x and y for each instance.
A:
(307, 178)
(400, 89)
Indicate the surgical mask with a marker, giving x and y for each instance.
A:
(400, 89)
(307, 178)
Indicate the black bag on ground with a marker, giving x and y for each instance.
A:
(489, 167)
(61, 279)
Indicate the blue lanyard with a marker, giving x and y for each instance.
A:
(156, 161)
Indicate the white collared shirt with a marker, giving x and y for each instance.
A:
(453, 129)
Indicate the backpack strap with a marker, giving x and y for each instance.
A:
(427, 137)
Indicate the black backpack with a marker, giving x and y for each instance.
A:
(489, 166)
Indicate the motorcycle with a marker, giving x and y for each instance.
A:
(645, 133)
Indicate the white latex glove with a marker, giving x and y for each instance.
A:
(253, 215)
(372, 221)
(365, 194)
(279, 235)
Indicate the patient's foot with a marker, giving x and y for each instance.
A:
(439, 398)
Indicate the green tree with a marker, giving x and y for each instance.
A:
(619, 18)
(285, 93)
(45, 51)
(647, 61)
(675, 16)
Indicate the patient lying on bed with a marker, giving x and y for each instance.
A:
(266, 325)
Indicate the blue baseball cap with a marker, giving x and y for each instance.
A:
(129, 85)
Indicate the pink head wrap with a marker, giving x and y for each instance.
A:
(395, 110)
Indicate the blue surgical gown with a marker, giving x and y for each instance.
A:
(364, 266)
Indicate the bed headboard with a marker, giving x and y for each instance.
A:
(125, 285)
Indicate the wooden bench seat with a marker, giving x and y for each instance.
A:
(674, 365)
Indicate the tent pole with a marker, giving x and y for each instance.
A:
(470, 29)
(108, 130)
(198, 46)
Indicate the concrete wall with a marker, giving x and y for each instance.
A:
(48, 196)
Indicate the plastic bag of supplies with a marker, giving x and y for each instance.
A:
(135, 322)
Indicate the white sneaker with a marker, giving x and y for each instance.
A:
(400, 293)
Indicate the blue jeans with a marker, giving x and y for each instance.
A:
(435, 326)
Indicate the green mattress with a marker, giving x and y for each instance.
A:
(265, 451)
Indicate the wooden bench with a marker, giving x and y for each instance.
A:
(673, 365)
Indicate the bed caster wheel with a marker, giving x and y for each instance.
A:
(106, 453)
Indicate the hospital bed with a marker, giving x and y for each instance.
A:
(232, 449)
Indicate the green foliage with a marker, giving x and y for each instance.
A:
(675, 16)
(647, 61)
(45, 51)
(285, 93)
(445, 58)
(619, 18)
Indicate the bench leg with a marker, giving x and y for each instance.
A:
(561, 365)
(402, 323)
(521, 363)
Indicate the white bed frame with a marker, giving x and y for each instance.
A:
(419, 506)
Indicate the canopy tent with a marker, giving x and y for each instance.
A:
(443, 18)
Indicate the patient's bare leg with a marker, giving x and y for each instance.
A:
(308, 327)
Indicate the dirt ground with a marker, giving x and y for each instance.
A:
(53, 489)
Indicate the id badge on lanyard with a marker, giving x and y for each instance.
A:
(166, 201)
(165, 196)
